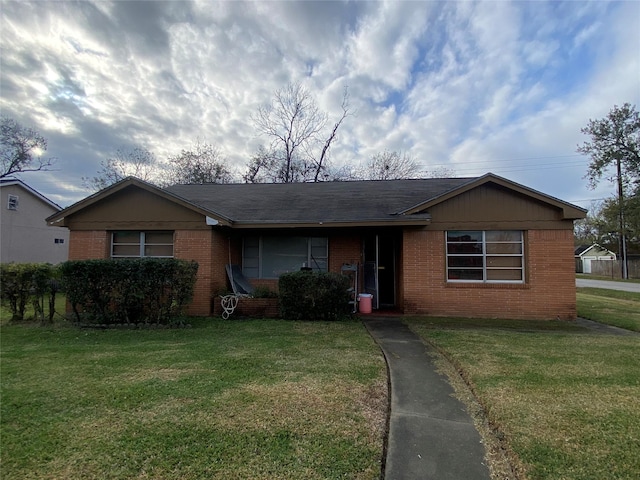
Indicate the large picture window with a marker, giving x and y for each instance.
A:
(131, 244)
(271, 256)
(485, 256)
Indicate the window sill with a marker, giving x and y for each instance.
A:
(490, 286)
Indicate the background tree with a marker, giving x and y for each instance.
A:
(631, 208)
(615, 143)
(137, 162)
(21, 149)
(263, 168)
(203, 163)
(440, 172)
(595, 228)
(389, 166)
(297, 129)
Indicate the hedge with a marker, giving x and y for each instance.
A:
(29, 283)
(314, 296)
(126, 291)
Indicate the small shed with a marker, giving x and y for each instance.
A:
(585, 254)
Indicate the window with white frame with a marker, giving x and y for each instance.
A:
(271, 256)
(131, 244)
(12, 202)
(485, 256)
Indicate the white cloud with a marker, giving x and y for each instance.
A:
(452, 83)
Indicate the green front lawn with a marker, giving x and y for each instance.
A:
(613, 307)
(566, 404)
(260, 399)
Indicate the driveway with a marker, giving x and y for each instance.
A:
(623, 286)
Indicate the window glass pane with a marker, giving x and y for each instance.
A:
(465, 274)
(251, 257)
(504, 248)
(461, 248)
(464, 236)
(485, 256)
(251, 242)
(504, 262)
(319, 252)
(504, 236)
(464, 262)
(250, 272)
(283, 254)
(271, 256)
(251, 262)
(319, 242)
(126, 251)
(158, 251)
(126, 237)
(319, 265)
(505, 275)
(319, 247)
(158, 237)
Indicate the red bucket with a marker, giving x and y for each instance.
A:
(364, 302)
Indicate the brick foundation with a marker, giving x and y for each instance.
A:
(251, 307)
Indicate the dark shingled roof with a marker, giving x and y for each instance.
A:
(309, 203)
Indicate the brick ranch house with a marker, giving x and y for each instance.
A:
(476, 247)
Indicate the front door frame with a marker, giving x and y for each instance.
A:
(380, 270)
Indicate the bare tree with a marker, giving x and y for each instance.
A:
(440, 172)
(138, 162)
(203, 163)
(321, 162)
(389, 166)
(262, 168)
(296, 126)
(21, 149)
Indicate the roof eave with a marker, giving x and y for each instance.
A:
(399, 222)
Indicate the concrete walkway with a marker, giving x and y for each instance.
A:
(431, 435)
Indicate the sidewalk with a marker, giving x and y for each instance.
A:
(431, 435)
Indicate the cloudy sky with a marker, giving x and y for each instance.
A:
(501, 87)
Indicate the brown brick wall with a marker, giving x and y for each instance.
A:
(198, 245)
(548, 293)
(88, 245)
(344, 249)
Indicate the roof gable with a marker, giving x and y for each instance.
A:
(128, 183)
(569, 211)
(587, 250)
(7, 182)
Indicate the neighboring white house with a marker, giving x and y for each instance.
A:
(585, 254)
(24, 234)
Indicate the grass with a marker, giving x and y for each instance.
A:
(564, 403)
(279, 400)
(262, 399)
(613, 307)
(588, 276)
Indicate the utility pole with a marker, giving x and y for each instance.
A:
(623, 236)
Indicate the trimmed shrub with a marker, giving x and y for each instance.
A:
(24, 283)
(314, 296)
(136, 290)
